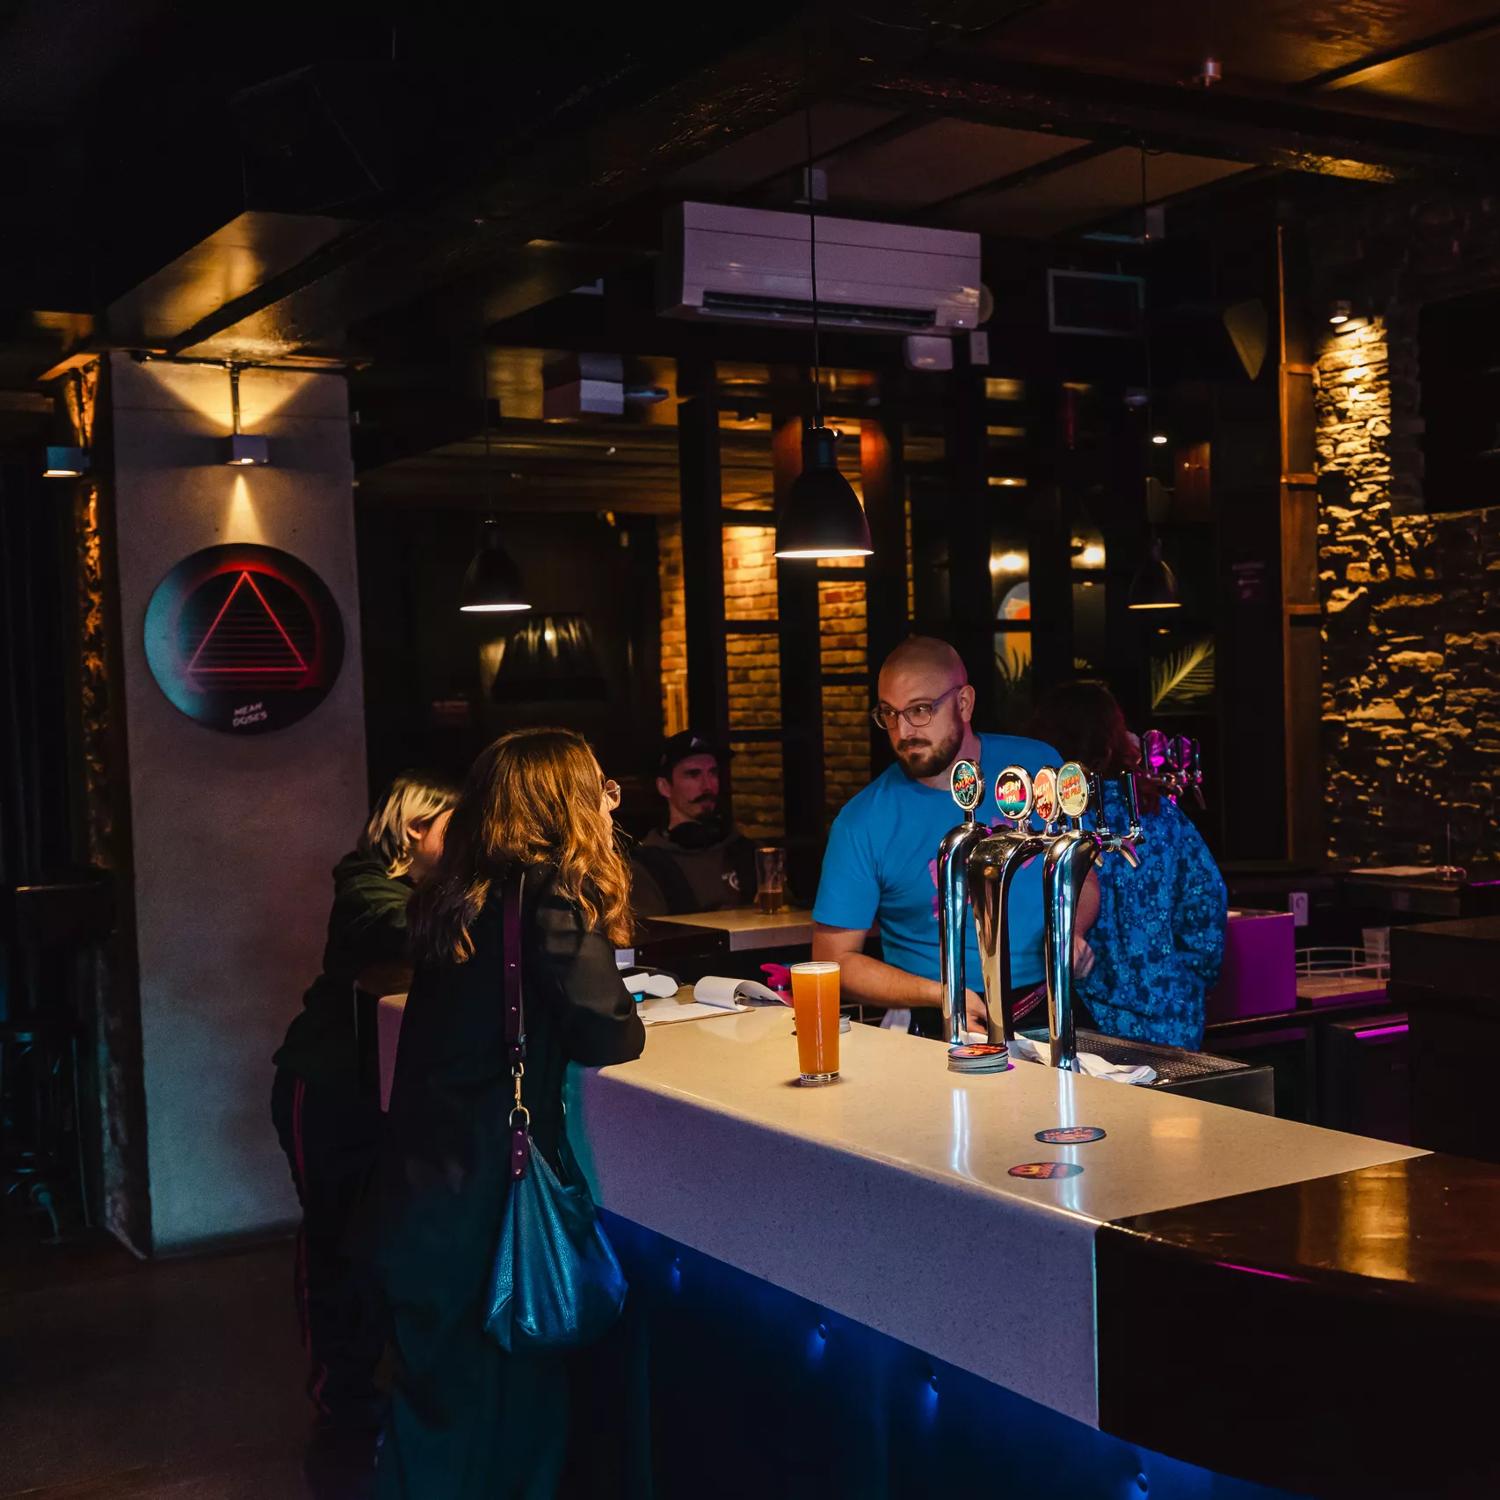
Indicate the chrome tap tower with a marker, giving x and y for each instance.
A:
(993, 864)
(953, 896)
(1070, 856)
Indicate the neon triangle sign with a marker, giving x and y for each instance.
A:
(246, 639)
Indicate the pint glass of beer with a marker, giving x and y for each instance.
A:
(815, 1000)
(770, 880)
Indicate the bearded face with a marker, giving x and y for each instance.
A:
(932, 748)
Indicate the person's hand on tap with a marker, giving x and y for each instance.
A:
(976, 1012)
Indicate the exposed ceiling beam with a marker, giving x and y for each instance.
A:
(1281, 133)
(1038, 169)
(618, 142)
(1463, 32)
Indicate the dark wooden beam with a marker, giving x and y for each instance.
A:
(1278, 132)
(703, 555)
(887, 621)
(802, 772)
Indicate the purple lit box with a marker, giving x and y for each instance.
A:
(1259, 975)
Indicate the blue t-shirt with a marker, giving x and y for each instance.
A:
(881, 865)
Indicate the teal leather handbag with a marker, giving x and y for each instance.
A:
(556, 1283)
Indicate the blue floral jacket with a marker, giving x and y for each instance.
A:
(1159, 938)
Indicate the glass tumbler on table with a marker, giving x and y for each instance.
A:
(815, 1000)
(770, 879)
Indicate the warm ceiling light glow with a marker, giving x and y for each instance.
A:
(491, 609)
(1008, 562)
(1092, 556)
(1159, 438)
(1007, 481)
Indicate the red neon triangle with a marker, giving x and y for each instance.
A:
(249, 642)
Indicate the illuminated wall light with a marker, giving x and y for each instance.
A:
(65, 462)
(1159, 439)
(1339, 312)
(1092, 556)
(242, 449)
(1006, 482)
(1008, 562)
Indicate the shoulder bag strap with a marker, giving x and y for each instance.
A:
(515, 1020)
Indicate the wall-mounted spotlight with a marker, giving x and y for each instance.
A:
(1340, 311)
(241, 449)
(65, 462)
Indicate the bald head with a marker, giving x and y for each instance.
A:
(926, 677)
(935, 662)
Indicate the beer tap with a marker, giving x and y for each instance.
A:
(993, 865)
(1188, 759)
(953, 896)
(1070, 857)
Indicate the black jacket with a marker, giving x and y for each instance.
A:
(367, 925)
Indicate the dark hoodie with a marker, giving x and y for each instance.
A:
(366, 926)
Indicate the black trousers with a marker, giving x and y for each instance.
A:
(329, 1129)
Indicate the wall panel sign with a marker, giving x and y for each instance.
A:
(244, 639)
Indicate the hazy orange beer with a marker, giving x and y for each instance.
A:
(815, 999)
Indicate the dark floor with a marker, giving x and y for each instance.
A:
(181, 1379)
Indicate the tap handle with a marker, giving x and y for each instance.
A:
(1131, 788)
(1044, 797)
(967, 788)
(1075, 792)
(1125, 847)
(1014, 797)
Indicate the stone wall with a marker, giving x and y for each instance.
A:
(1411, 625)
(755, 673)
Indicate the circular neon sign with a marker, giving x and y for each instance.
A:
(244, 639)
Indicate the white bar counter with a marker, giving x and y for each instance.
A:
(886, 1197)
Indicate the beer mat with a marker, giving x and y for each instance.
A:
(978, 1057)
(716, 989)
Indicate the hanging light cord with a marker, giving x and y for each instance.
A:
(1145, 320)
(812, 246)
(484, 425)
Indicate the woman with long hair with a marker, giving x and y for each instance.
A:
(326, 1108)
(468, 1419)
(1159, 938)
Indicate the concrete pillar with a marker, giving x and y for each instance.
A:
(232, 836)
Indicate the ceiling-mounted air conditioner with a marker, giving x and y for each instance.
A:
(750, 265)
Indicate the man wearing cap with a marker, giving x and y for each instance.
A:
(880, 868)
(695, 863)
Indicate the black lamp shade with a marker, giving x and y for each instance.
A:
(1154, 585)
(821, 515)
(493, 583)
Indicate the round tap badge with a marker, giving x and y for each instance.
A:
(967, 787)
(1073, 790)
(244, 638)
(1013, 793)
(1044, 793)
(1070, 1135)
(1046, 1169)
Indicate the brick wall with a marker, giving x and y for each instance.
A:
(1411, 624)
(755, 672)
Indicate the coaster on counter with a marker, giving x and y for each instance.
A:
(1070, 1135)
(1046, 1169)
(978, 1057)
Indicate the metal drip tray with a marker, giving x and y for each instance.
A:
(1220, 1080)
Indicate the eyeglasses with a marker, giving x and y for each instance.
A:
(611, 794)
(916, 714)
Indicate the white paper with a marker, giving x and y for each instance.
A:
(1026, 1050)
(715, 989)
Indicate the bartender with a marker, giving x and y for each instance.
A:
(880, 869)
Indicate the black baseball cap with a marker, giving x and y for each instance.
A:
(678, 747)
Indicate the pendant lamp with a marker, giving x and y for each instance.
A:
(821, 515)
(1155, 584)
(492, 584)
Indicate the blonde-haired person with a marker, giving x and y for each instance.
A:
(467, 1420)
(326, 1109)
